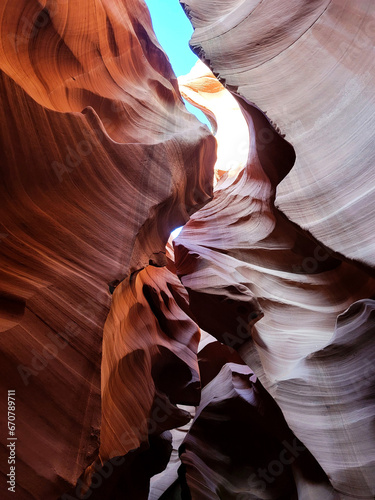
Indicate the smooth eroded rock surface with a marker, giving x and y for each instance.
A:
(237, 364)
(266, 287)
(99, 162)
(310, 66)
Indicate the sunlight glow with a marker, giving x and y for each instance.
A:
(176, 232)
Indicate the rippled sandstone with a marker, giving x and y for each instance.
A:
(310, 67)
(124, 395)
(299, 312)
(99, 162)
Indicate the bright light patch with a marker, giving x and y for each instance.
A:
(176, 232)
(201, 88)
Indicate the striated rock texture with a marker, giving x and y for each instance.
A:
(150, 348)
(300, 315)
(99, 162)
(149, 366)
(310, 66)
(117, 398)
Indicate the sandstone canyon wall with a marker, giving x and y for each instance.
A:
(100, 161)
(310, 67)
(245, 260)
(249, 274)
(237, 365)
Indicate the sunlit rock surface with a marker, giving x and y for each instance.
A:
(310, 66)
(300, 314)
(149, 348)
(99, 162)
(149, 365)
(202, 89)
(272, 292)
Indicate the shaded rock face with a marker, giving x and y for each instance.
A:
(239, 445)
(99, 162)
(119, 393)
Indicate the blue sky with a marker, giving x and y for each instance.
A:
(173, 30)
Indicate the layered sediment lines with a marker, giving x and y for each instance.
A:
(310, 66)
(266, 287)
(149, 366)
(99, 162)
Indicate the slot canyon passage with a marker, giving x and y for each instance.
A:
(235, 362)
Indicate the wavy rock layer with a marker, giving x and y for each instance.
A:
(262, 285)
(310, 66)
(149, 365)
(149, 361)
(100, 161)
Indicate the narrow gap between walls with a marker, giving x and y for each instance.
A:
(173, 30)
